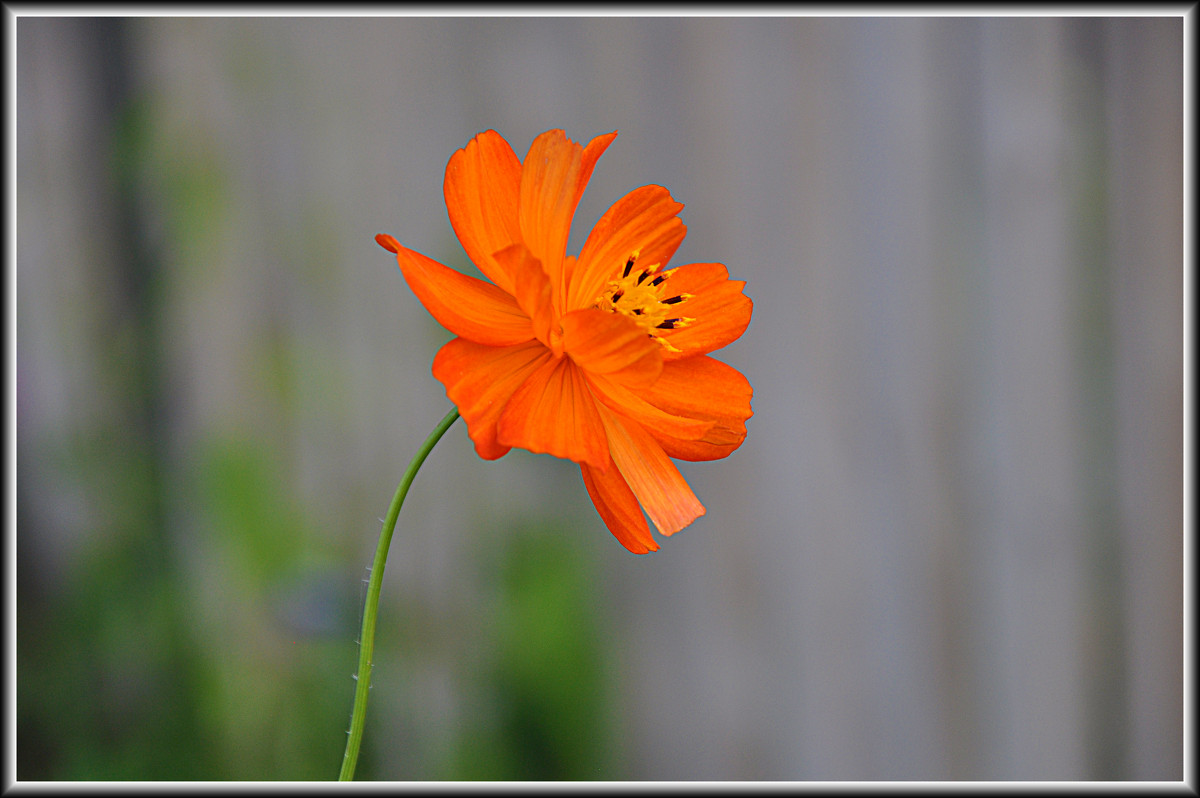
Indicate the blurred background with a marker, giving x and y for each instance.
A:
(950, 547)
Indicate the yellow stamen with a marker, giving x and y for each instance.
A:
(642, 295)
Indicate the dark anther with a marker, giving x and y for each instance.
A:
(629, 265)
(669, 324)
(617, 295)
(672, 300)
(643, 276)
(657, 280)
(637, 311)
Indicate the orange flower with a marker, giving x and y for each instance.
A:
(601, 358)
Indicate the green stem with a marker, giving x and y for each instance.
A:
(367, 638)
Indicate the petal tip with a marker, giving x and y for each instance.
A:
(388, 242)
(669, 532)
(647, 549)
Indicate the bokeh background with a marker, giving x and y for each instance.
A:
(950, 548)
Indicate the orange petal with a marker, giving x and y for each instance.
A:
(701, 388)
(653, 478)
(720, 310)
(471, 308)
(644, 220)
(480, 380)
(553, 176)
(619, 508)
(482, 188)
(609, 343)
(553, 412)
(638, 410)
(388, 242)
(531, 288)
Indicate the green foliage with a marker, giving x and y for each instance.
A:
(107, 669)
(542, 709)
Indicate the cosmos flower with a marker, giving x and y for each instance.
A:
(600, 358)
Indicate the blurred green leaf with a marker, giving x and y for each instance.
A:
(542, 712)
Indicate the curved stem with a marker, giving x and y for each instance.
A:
(367, 638)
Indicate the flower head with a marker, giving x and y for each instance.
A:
(602, 358)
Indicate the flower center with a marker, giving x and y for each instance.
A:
(643, 295)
